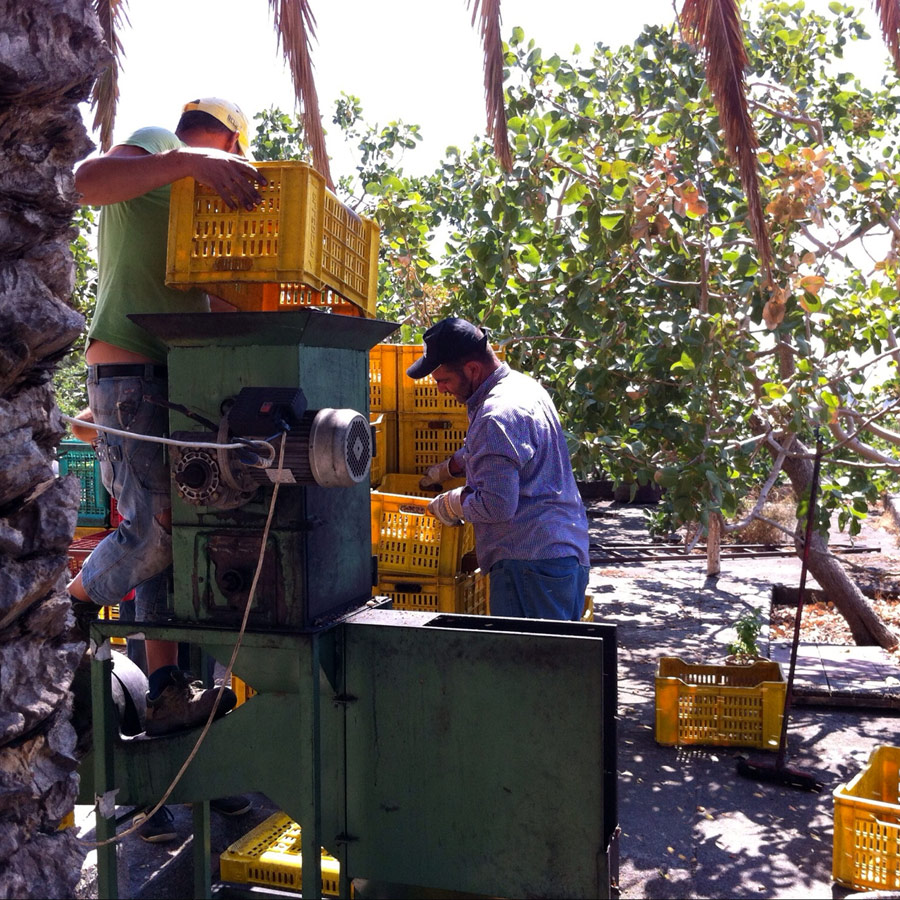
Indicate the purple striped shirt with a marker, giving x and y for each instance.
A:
(521, 495)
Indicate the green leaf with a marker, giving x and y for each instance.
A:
(685, 362)
(620, 169)
(830, 399)
(530, 256)
(611, 220)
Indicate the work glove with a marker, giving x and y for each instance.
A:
(436, 475)
(447, 507)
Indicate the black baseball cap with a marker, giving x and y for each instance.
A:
(450, 340)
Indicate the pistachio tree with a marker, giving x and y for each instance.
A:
(616, 261)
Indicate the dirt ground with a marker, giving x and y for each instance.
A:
(691, 826)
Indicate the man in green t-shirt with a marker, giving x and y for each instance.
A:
(127, 387)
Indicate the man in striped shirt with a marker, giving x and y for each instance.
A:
(531, 530)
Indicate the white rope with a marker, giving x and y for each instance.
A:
(116, 838)
(258, 445)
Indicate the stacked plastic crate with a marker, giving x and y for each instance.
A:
(422, 564)
(78, 458)
(431, 426)
(383, 409)
(299, 247)
(97, 514)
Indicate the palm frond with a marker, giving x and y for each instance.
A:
(493, 76)
(296, 25)
(105, 91)
(715, 27)
(888, 12)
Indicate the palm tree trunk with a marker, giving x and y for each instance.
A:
(48, 59)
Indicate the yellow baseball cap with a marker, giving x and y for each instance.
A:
(229, 114)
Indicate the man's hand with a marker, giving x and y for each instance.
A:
(88, 435)
(447, 507)
(231, 177)
(436, 475)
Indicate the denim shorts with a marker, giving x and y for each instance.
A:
(139, 552)
(539, 588)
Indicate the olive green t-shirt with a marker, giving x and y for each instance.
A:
(131, 248)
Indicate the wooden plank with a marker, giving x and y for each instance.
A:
(809, 673)
(855, 670)
(626, 553)
(841, 675)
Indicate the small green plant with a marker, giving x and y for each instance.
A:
(747, 627)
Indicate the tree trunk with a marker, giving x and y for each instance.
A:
(714, 544)
(865, 625)
(49, 54)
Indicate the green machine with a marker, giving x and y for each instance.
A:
(450, 753)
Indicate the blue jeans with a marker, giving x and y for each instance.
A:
(139, 552)
(539, 588)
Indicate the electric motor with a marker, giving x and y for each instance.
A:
(327, 447)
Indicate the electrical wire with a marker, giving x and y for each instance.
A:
(221, 688)
(154, 439)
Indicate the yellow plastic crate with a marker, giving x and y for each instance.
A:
(482, 593)
(410, 541)
(423, 441)
(271, 855)
(420, 395)
(446, 595)
(112, 614)
(385, 459)
(383, 378)
(300, 235)
(242, 690)
(866, 853)
(252, 297)
(405, 483)
(724, 706)
(588, 614)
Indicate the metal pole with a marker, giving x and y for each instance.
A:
(104, 772)
(807, 540)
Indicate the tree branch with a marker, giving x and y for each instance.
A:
(763, 496)
(814, 125)
(892, 437)
(862, 449)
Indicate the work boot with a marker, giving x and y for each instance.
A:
(235, 805)
(158, 828)
(183, 704)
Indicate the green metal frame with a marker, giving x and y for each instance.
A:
(460, 753)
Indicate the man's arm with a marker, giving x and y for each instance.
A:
(492, 493)
(127, 172)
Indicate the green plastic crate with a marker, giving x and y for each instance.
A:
(78, 458)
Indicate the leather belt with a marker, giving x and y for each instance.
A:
(131, 370)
